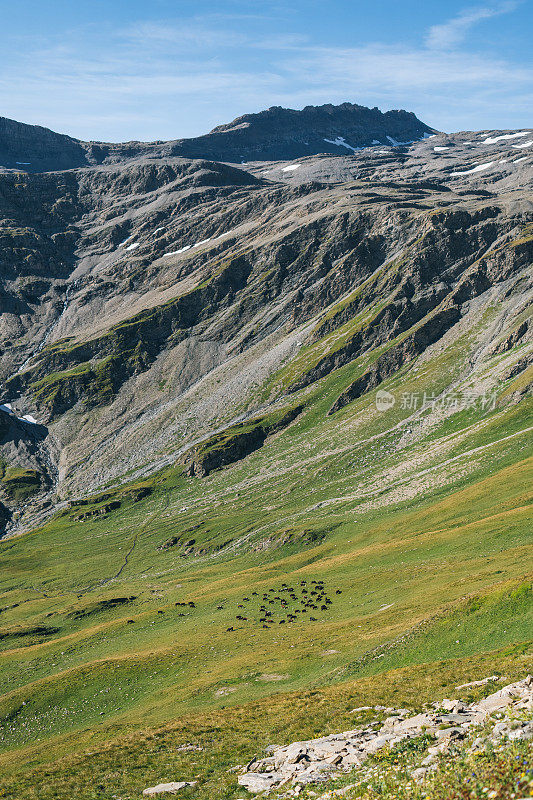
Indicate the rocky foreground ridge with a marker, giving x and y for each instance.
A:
(504, 716)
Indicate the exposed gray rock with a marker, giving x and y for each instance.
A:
(317, 760)
(167, 788)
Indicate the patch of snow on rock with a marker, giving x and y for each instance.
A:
(522, 145)
(340, 142)
(494, 139)
(177, 252)
(290, 168)
(440, 149)
(479, 168)
(126, 240)
(133, 246)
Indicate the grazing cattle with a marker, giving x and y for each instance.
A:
(312, 619)
(265, 626)
(338, 591)
(192, 605)
(220, 608)
(230, 629)
(323, 608)
(239, 606)
(281, 622)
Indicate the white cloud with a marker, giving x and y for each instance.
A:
(451, 33)
(167, 80)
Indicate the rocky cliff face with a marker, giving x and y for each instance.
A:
(150, 304)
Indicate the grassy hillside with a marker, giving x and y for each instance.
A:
(114, 640)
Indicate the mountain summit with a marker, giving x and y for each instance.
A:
(273, 135)
(282, 133)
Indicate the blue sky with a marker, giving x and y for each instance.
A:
(115, 70)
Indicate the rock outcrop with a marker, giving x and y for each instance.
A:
(319, 760)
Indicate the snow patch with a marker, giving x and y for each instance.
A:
(126, 240)
(133, 246)
(479, 168)
(290, 168)
(494, 139)
(177, 252)
(29, 418)
(440, 149)
(521, 146)
(518, 160)
(23, 163)
(340, 142)
(203, 241)
(376, 141)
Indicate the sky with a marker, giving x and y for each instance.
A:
(118, 70)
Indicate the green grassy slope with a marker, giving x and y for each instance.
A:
(422, 542)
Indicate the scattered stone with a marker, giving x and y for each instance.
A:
(483, 682)
(167, 788)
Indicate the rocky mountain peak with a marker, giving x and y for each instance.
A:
(285, 133)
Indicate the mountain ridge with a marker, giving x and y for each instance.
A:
(274, 134)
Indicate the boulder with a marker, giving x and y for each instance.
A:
(257, 782)
(167, 788)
